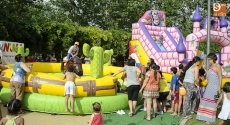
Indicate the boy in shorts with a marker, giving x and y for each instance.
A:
(174, 91)
(70, 87)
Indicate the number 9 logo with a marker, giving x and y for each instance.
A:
(216, 7)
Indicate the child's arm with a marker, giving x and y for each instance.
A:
(64, 77)
(145, 82)
(77, 76)
(220, 98)
(180, 82)
(21, 121)
(91, 119)
(1, 122)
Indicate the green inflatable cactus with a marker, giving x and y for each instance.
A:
(108, 54)
(19, 50)
(97, 59)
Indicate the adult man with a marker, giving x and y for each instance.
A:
(73, 51)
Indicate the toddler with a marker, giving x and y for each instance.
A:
(70, 87)
(96, 117)
(225, 111)
(12, 118)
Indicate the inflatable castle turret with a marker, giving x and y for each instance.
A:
(224, 26)
(196, 19)
(181, 50)
(218, 35)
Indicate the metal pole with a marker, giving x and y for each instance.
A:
(208, 32)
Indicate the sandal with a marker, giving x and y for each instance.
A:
(130, 114)
(153, 116)
(147, 119)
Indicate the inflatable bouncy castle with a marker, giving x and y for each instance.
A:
(167, 45)
(44, 86)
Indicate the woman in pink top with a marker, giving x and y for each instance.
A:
(96, 117)
(151, 90)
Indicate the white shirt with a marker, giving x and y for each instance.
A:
(73, 50)
(135, 57)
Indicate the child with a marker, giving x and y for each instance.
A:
(201, 87)
(174, 91)
(13, 119)
(96, 117)
(180, 75)
(225, 111)
(70, 87)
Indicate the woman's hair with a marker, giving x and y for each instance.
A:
(212, 56)
(18, 58)
(160, 72)
(96, 106)
(226, 87)
(154, 67)
(14, 106)
(131, 62)
(194, 60)
(152, 61)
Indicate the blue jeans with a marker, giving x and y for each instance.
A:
(69, 55)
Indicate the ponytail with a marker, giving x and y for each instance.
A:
(155, 74)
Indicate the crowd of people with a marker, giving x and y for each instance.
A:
(150, 82)
(203, 88)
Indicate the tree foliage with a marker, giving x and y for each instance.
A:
(54, 25)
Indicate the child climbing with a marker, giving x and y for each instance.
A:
(96, 117)
(70, 87)
(12, 118)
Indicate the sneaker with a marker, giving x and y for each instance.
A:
(122, 112)
(160, 113)
(119, 112)
(144, 109)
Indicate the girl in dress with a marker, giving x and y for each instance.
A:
(151, 90)
(225, 111)
(96, 117)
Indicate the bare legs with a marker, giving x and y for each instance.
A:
(132, 107)
(148, 108)
(181, 101)
(71, 102)
(221, 122)
(154, 107)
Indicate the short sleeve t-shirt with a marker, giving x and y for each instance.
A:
(131, 72)
(175, 82)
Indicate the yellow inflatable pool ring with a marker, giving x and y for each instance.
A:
(41, 81)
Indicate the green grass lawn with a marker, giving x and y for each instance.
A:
(138, 119)
(193, 121)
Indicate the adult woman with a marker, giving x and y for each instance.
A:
(133, 84)
(207, 107)
(17, 81)
(151, 90)
(191, 77)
